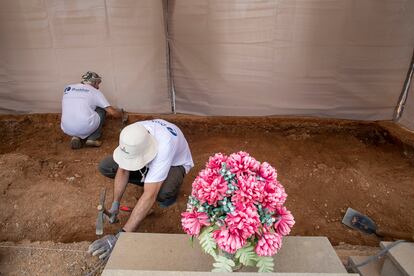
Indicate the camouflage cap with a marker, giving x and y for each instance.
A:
(91, 77)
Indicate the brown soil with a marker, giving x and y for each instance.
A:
(46, 258)
(49, 192)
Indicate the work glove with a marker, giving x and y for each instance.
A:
(103, 247)
(114, 211)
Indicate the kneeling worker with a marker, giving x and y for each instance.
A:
(153, 154)
(84, 108)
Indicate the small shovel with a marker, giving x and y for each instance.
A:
(363, 223)
(124, 118)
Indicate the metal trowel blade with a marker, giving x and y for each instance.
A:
(358, 221)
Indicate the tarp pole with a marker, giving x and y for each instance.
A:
(404, 93)
(171, 89)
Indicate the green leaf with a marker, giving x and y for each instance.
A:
(246, 255)
(265, 264)
(208, 244)
(223, 264)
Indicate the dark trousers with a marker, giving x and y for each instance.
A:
(170, 186)
(98, 132)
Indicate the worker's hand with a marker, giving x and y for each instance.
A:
(114, 211)
(113, 218)
(103, 247)
(112, 111)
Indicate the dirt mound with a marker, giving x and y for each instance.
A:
(50, 192)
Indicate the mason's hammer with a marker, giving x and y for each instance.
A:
(101, 212)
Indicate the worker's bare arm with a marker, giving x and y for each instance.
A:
(113, 112)
(143, 206)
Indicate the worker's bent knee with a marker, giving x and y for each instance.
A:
(108, 167)
(171, 187)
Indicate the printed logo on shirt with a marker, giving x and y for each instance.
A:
(67, 89)
(80, 89)
(172, 131)
(159, 122)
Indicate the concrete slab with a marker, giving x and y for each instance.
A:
(389, 268)
(188, 273)
(402, 256)
(370, 269)
(308, 254)
(174, 253)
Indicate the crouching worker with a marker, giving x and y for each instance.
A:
(84, 108)
(153, 154)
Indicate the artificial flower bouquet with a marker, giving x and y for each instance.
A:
(236, 211)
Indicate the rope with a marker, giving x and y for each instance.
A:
(376, 256)
(95, 270)
(42, 248)
(98, 266)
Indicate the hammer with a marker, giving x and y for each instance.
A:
(101, 212)
(124, 117)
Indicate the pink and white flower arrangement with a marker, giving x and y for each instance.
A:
(237, 208)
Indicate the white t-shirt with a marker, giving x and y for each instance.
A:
(173, 150)
(78, 109)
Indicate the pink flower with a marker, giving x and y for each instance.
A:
(285, 222)
(242, 162)
(193, 221)
(268, 244)
(209, 186)
(228, 241)
(215, 161)
(250, 189)
(274, 195)
(256, 196)
(244, 220)
(267, 172)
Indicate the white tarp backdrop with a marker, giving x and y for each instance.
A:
(46, 44)
(331, 58)
(334, 58)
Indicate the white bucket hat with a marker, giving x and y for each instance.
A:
(137, 147)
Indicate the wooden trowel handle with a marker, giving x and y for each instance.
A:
(396, 235)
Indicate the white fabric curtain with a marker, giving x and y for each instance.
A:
(331, 58)
(46, 44)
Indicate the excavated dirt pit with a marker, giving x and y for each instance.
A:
(49, 192)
